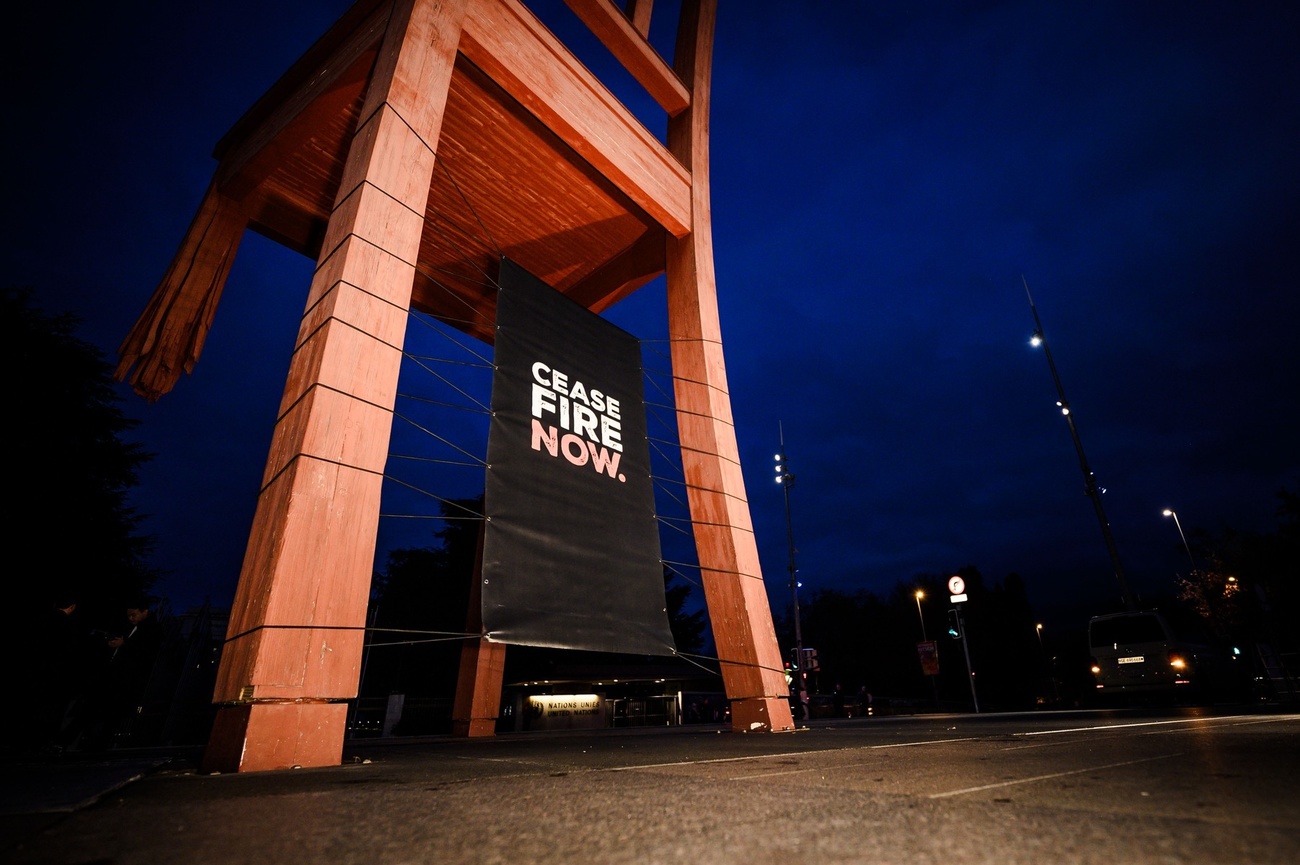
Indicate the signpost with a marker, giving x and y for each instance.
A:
(957, 589)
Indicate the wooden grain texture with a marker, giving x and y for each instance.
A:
(168, 338)
(296, 625)
(543, 166)
(628, 44)
(728, 552)
(639, 13)
(482, 670)
(256, 737)
(416, 143)
(507, 42)
(320, 90)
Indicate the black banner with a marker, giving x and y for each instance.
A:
(571, 550)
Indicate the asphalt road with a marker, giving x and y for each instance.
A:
(1108, 787)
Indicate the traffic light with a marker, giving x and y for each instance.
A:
(954, 624)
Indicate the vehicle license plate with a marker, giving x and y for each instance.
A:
(1133, 659)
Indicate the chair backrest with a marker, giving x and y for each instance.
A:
(537, 160)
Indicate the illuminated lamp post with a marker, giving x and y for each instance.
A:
(1169, 512)
(1048, 666)
(785, 478)
(934, 683)
(1089, 479)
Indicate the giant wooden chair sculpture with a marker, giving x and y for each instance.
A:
(337, 161)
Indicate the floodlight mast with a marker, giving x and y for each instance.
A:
(785, 478)
(1089, 479)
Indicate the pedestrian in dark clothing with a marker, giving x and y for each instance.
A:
(864, 701)
(131, 665)
(114, 702)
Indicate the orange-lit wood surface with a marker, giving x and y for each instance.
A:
(538, 162)
(724, 534)
(411, 147)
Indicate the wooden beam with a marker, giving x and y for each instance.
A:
(638, 12)
(632, 49)
(482, 666)
(302, 93)
(294, 642)
(622, 274)
(724, 536)
(168, 337)
(507, 42)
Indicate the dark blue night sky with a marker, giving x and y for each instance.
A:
(884, 175)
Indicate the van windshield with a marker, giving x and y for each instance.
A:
(1142, 628)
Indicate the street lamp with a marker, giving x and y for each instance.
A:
(785, 478)
(934, 683)
(1048, 666)
(1169, 512)
(1089, 479)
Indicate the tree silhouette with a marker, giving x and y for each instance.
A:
(1248, 583)
(67, 520)
(70, 468)
(687, 628)
(1005, 652)
(862, 640)
(418, 606)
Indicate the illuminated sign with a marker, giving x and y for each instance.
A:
(566, 712)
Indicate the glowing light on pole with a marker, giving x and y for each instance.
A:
(1169, 512)
(934, 682)
(1090, 487)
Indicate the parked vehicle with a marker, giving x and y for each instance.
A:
(1139, 653)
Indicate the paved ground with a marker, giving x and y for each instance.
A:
(1191, 786)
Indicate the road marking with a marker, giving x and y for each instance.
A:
(1049, 777)
(1269, 720)
(1038, 745)
(786, 772)
(719, 760)
(926, 742)
(1134, 724)
(787, 754)
(842, 766)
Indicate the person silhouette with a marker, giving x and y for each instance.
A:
(131, 664)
